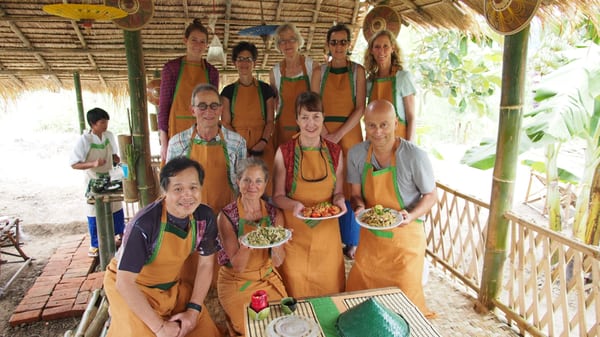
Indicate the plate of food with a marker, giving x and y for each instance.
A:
(379, 218)
(321, 211)
(266, 237)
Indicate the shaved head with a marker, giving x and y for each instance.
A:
(380, 108)
(381, 123)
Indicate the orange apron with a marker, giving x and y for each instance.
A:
(235, 289)
(385, 88)
(190, 75)
(289, 89)
(250, 120)
(212, 155)
(314, 262)
(388, 258)
(339, 101)
(160, 283)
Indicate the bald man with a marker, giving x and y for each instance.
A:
(393, 172)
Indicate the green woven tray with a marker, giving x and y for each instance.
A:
(372, 319)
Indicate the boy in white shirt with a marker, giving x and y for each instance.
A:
(95, 152)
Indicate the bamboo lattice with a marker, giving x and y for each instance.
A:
(547, 286)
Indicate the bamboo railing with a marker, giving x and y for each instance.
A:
(538, 297)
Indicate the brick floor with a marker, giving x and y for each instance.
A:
(63, 288)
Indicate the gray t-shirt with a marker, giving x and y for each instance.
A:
(413, 169)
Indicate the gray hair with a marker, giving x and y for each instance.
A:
(246, 163)
(204, 87)
(289, 26)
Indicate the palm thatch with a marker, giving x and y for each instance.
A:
(39, 50)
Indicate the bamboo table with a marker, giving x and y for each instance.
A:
(325, 310)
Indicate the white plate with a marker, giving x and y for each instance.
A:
(300, 216)
(244, 240)
(293, 326)
(113, 187)
(399, 219)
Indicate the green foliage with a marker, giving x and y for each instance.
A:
(563, 175)
(464, 71)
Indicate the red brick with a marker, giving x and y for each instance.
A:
(72, 280)
(62, 265)
(57, 312)
(25, 317)
(59, 302)
(78, 272)
(37, 299)
(49, 279)
(87, 285)
(53, 271)
(99, 274)
(82, 297)
(22, 307)
(98, 284)
(65, 293)
(39, 291)
(79, 309)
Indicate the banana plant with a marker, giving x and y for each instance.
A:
(565, 111)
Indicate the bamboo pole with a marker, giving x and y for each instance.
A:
(88, 314)
(97, 324)
(77, 85)
(592, 228)
(106, 230)
(507, 151)
(139, 116)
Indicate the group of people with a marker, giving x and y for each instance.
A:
(257, 154)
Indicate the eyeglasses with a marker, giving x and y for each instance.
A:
(204, 106)
(340, 42)
(257, 182)
(244, 59)
(292, 40)
(313, 180)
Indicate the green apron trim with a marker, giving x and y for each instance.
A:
(297, 168)
(180, 233)
(222, 142)
(245, 285)
(164, 286)
(101, 146)
(185, 117)
(393, 80)
(263, 111)
(327, 314)
(338, 119)
(338, 71)
(304, 78)
(382, 234)
(181, 67)
(312, 223)
(159, 240)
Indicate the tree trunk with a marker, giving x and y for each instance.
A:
(507, 151)
(592, 232)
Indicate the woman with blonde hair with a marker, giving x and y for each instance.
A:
(290, 77)
(387, 79)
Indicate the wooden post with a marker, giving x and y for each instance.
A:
(139, 116)
(507, 151)
(77, 85)
(130, 191)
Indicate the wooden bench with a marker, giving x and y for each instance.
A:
(10, 244)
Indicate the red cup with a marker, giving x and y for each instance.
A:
(259, 300)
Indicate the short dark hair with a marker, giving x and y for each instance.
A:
(340, 27)
(176, 165)
(96, 114)
(309, 100)
(204, 87)
(244, 45)
(195, 25)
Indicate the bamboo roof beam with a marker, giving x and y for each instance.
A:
(269, 43)
(417, 9)
(311, 28)
(13, 77)
(227, 17)
(186, 13)
(27, 44)
(95, 72)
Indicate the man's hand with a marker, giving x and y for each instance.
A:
(187, 321)
(99, 162)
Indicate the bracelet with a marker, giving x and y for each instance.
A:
(160, 328)
(264, 140)
(194, 306)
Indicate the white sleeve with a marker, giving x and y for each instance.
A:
(80, 151)
(113, 142)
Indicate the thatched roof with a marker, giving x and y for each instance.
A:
(39, 50)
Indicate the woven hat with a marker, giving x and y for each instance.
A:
(139, 13)
(380, 18)
(371, 318)
(509, 17)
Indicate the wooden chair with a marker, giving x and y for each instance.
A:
(9, 243)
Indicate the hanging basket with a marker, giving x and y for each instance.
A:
(139, 13)
(509, 17)
(216, 55)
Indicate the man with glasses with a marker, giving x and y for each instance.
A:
(216, 148)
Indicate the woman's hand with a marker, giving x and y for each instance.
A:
(186, 321)
(169, 329)
(298, 207)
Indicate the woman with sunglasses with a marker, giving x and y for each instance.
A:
(178, 78)
(249, 106)
(387, 79)
(307, 171)
(290, 77)
(343, 89)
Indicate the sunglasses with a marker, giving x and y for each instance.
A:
(340, 42)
